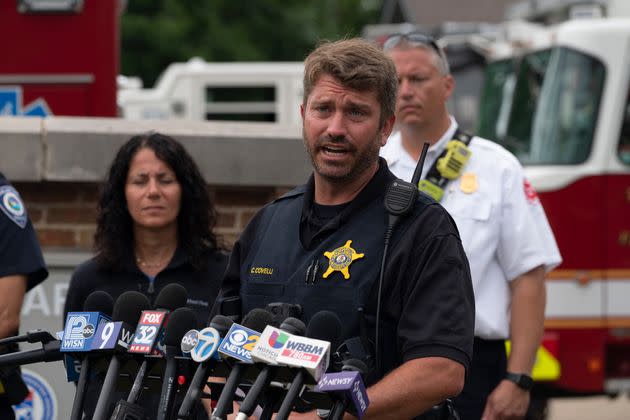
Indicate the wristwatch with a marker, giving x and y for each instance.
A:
(522, 380)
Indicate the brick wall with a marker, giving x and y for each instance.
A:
(64, 213)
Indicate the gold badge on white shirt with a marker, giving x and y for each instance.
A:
(468, 183)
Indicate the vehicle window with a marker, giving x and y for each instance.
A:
(624, 140)
(238, 103)
(527, 89)
(495, 99)
(566, 116)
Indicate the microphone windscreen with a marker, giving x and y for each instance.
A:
(129, 306)
(171, 297)
(180, 321)
(257, 319)
(325, 325)
(231, 306)
(293, 326)
(221, 323)
(99, 301)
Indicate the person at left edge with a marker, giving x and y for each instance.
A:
(21, 268)
(321, 244)
(155, 227)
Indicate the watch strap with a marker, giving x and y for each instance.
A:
(523, 380)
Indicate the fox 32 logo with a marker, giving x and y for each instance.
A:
(41, 402)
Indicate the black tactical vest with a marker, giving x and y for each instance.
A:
(279, 269)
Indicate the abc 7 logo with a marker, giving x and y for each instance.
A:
(238, 337)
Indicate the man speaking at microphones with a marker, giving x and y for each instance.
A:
(21, 268)
(387, 260)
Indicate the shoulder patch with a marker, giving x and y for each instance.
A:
(530, 192)
(12, 206)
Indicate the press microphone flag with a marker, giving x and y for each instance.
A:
(189, 341)
(115, 335)
(308, 353)
(147, 332)
(208, 341)
(238, 343)
(79, 330)
(268, 347)
(349, 385)
(219, 323)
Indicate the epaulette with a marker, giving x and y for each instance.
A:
(299, 190)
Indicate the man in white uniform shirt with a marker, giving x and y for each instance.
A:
(502, 224)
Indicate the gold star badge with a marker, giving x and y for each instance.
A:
(340, 260)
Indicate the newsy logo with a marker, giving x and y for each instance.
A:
(332, 382)
(349, 384)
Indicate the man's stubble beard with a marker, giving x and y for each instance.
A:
(362, 162)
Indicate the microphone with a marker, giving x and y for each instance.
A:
(80, 329)
(33, 336)
(151, 325)
(51, 350)
(324, 325)
(348, 386)
(267, 350)
(204, 349)
(233, 346)
(100, 302)
(127, 309)
(48, 353)
(171, 297)
(146, 341)
(181, 320)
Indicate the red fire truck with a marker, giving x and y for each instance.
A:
(564, 110)
(60, 57)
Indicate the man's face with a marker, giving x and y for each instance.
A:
(342, 131)
(422, 89)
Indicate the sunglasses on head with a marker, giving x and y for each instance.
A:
(413, 38)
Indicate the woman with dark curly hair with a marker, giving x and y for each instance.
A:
(154, 227)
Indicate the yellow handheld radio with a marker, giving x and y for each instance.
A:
(452, 164)
(447, 168)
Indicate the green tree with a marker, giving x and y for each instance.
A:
(156, 33)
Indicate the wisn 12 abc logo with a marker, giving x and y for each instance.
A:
(41, 402)
(79, 330)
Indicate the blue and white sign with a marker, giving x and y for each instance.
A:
(41, 402)
(11, 104)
